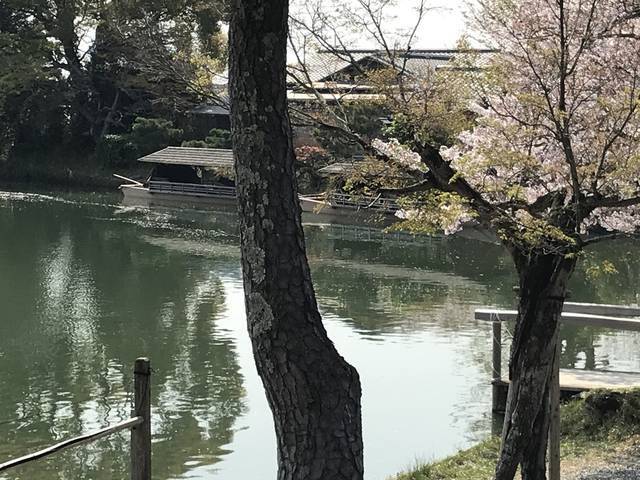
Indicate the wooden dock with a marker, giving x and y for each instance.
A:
(576, 381)
(572, 381)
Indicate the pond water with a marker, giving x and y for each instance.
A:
(87, 285)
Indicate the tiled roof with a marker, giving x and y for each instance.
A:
(322, 65)
(195, 157)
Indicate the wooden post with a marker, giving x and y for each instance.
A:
(554, 425)
(496, 374)
(141, 435)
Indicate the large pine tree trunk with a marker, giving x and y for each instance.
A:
(313, 392)
(64, 28)
(543, 288)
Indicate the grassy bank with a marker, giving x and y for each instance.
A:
(593, 427)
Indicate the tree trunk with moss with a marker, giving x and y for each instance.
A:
(313, 392)
(543, 281)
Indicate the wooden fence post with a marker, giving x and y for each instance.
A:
(141, 434)
(554, 424)
(496, 366)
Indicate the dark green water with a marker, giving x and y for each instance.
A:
(87, 285)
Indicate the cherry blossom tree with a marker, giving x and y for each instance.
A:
(551, 165)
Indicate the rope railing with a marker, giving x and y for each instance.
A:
(139, 424)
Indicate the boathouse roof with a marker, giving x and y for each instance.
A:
(194, 157)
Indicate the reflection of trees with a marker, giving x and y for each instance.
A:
(386, 286)
(601, 348)
(455, 255)
(623, 287)
(376, 303)
(578, 347)
(383, 286)
(82, 297)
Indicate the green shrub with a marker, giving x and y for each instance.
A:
(195, 144)
(309, 159)
(217, 138)
(630, 409)
(152, 134)
(116, 151)
(601, 414)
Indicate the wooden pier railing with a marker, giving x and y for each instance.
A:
(357, 202)
(568, 381)
(139, 424)
(582, 314)
(220, 191)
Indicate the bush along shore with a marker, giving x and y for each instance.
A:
(600, 440)
(67, 174)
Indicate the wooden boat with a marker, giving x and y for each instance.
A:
(192, 177)
(177, 193)
(184, 176)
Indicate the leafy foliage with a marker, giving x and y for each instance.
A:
(24, 71)
(152, 134)
(116, 151)
(309, 159)
(147, 136)
(433, 211)
(84, 69)
(217, 138)
(365, 118)
(552, 138)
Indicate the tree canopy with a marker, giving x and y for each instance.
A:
(87, 68)
(556, 143)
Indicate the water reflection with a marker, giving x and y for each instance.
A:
(386, 287)
(82, 296)
(87, 285)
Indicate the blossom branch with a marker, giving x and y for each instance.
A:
(613, 202)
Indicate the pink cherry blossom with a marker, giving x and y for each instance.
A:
(558, 113)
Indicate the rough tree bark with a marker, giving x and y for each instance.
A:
(543, 281)
(313, 392)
